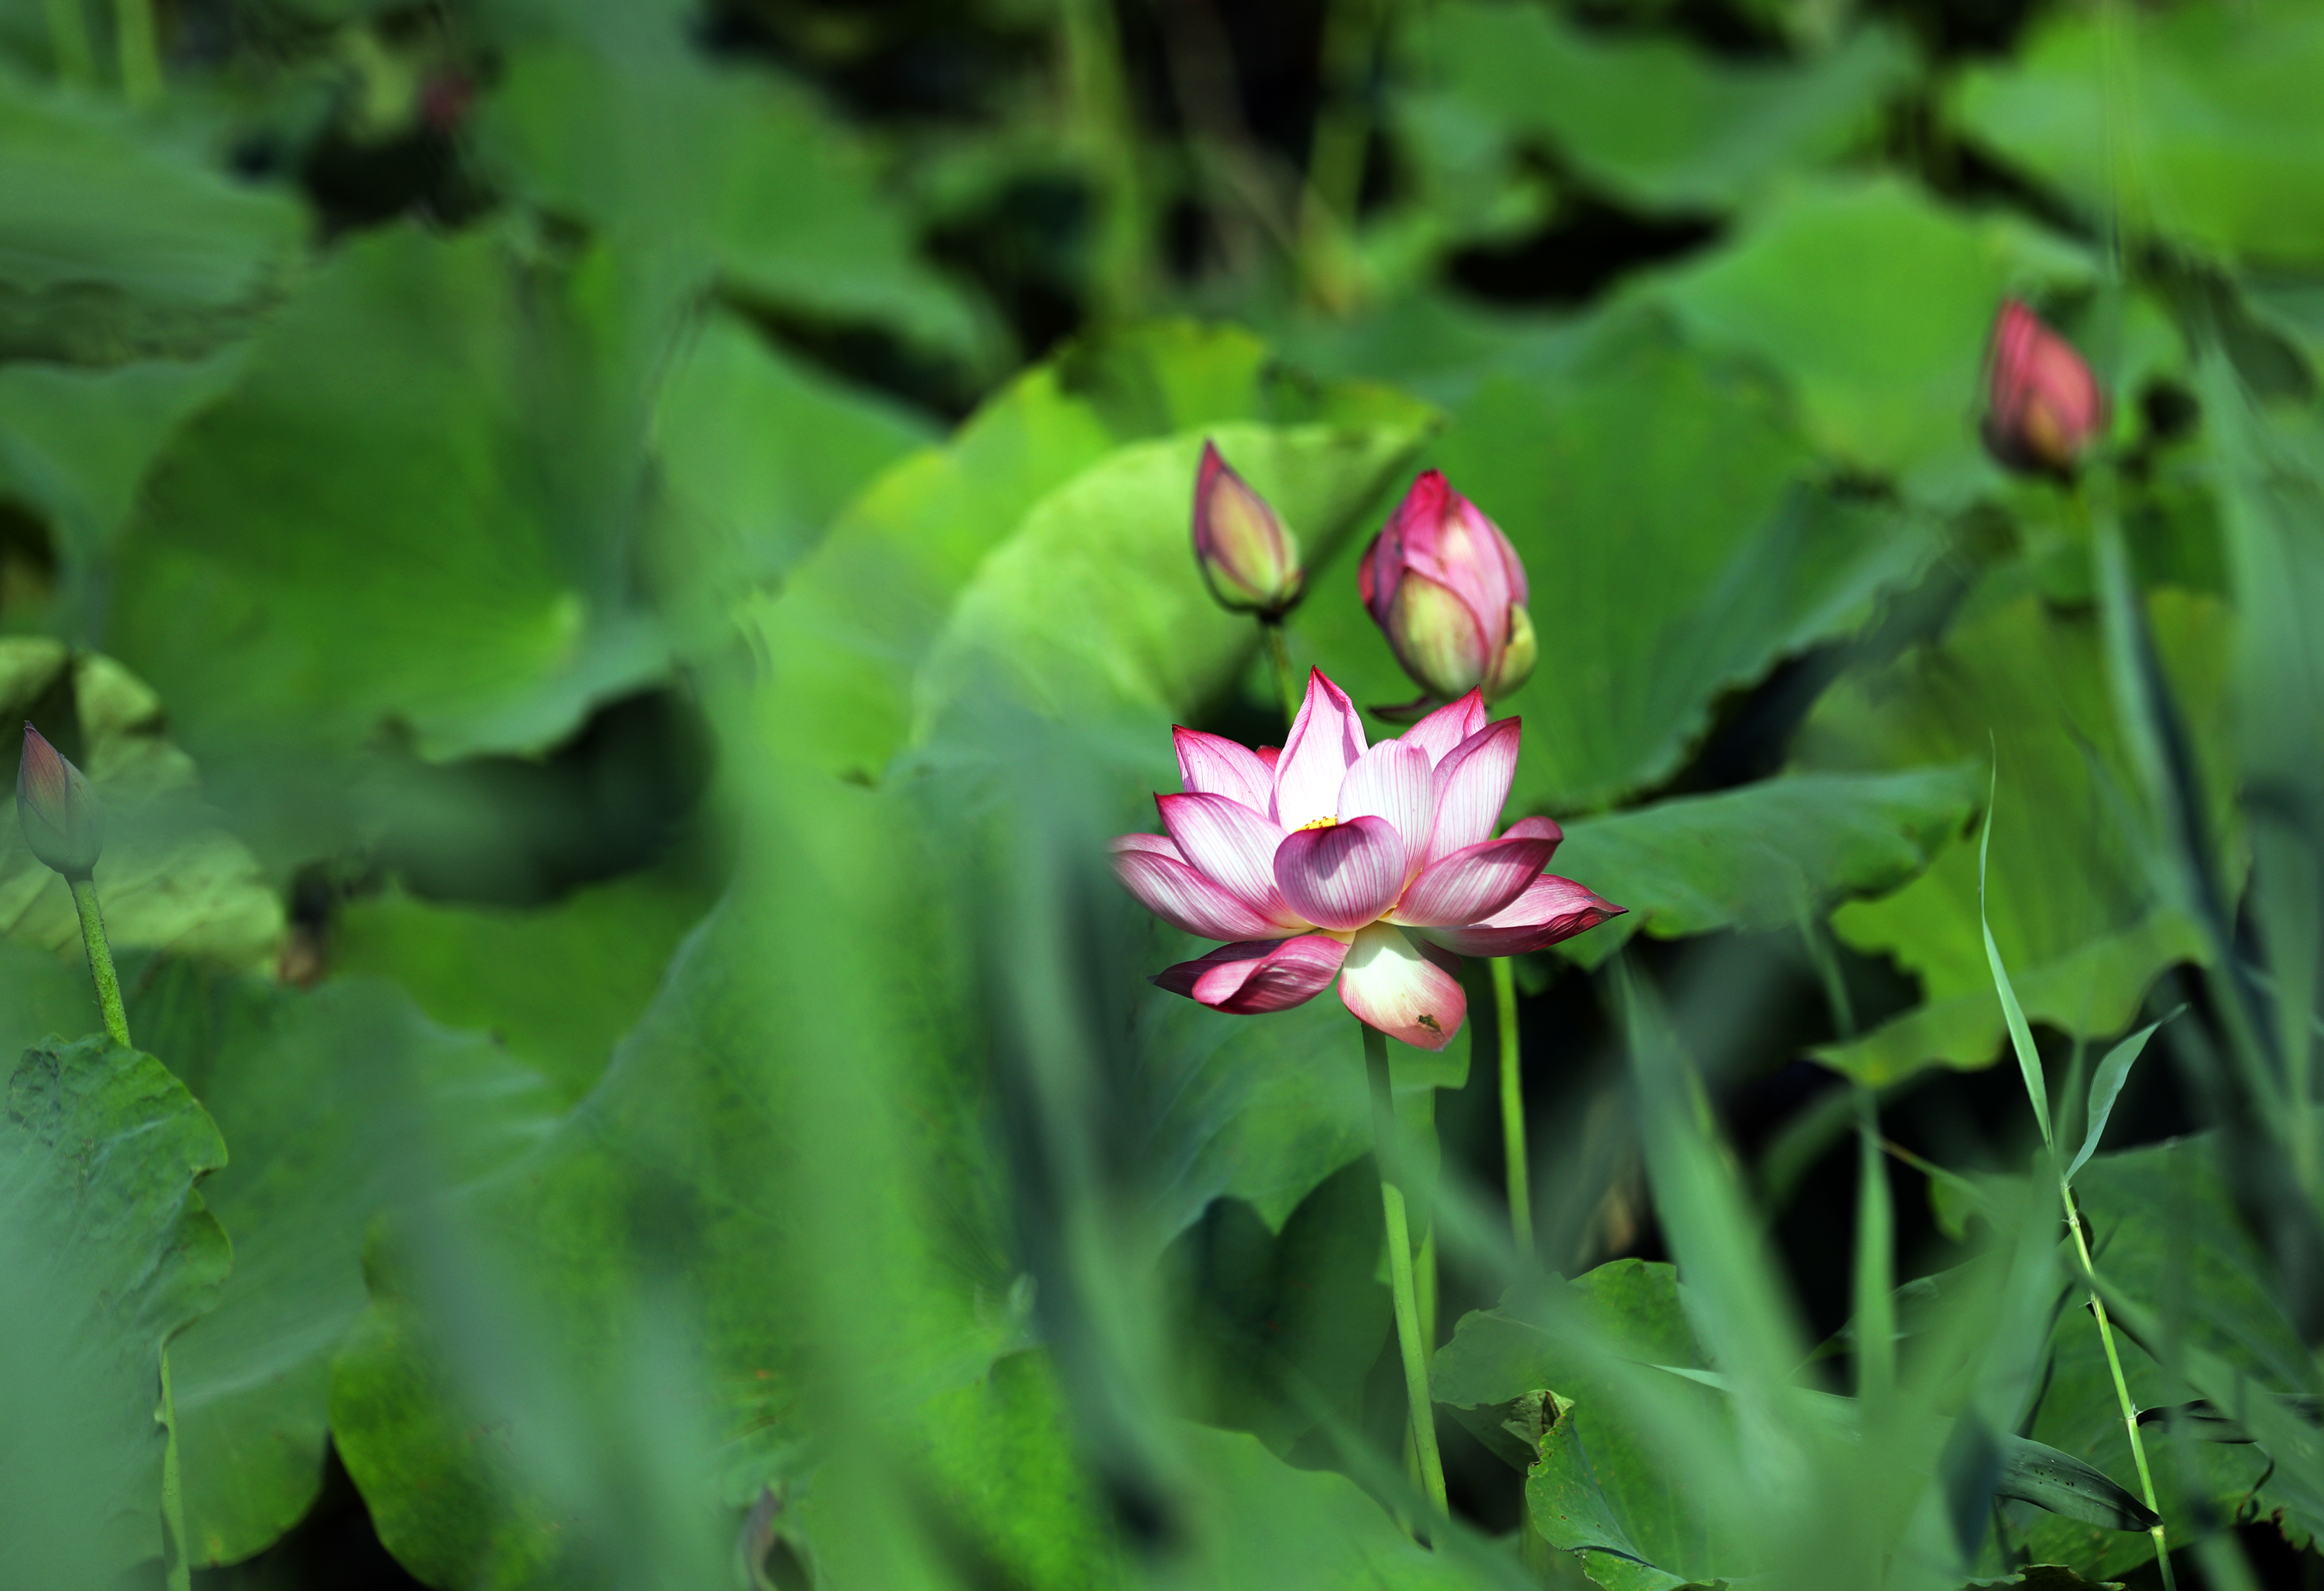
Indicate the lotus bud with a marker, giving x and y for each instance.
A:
(1449, 591)
(1249, 558)
(2044, 408)
(57, 809)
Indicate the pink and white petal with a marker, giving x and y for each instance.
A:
(1551, 908)
(1444, 730)
(1519, 593)
(1472, 557)
(1436, 953)
(1473, 785)
(1536, 828)
(1391, 985)
(1325, 739)
(1233, 846)
(1160, 844)
(1396, 782)
(1213, 764)
(1184, 898)
(1269, 755)
(1259, 976)
(1344, 876)
(1472, 883)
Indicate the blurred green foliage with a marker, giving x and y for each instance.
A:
(615, 565)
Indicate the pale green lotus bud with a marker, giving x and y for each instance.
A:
(1249, 558)
(56, 809)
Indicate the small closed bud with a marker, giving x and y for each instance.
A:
(56, 809)
(2042, 409)
(1249, 558)
(1449, 592)
(447, 96)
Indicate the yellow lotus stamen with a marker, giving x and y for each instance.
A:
(1322, 823)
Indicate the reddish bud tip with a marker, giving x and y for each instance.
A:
(445, 98)
(1249, 558)
(56, 809)
(2043, 410)
(1449, 591)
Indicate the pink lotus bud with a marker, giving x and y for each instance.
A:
(1448, 589)
(447, 96)
(1248, 558)
(57, 809)
(2044, 408)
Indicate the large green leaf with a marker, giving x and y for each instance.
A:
(123, 240)
(338, 1103)
(759, 455)
(1641, 455)
(1601, 1484)
(1264, 1523)
(2072, 908)
(740, 175)
(999, 1453)
(1262, 1110)
(1766, 856)
(171, 877)
(416, 508)
(997, 1457)
(107, 1250)
(2200, 143)
(683, 1182)
(1875, 303)
(1043, 532)
(1094, 601)
(1281, 1329)
(559, 984)
(75, 444)
(1654, 122)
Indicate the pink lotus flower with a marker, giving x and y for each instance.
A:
(2044, 408)
(1448, 590)
(1377, 865)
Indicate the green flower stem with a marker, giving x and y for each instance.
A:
(117, 1028)
(2121, 1392)
(140, 53)
(100, 960)
(1513, 1122)
(1286, 679)
(1424, 1291)
(1410, 1342)
(173, 1494)
(69, 42)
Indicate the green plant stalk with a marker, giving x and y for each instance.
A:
(140, 53)
(1410, 1342)
(1099, 97)
(100, 960)
(173, 1491)
(1423, 1290)
(2121, 1392)
(1336, 150)
(1876, 1281)
(117, 1028)
(1286, 679)
(1513, 1122)
(2029, 1063)
(68, 42)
